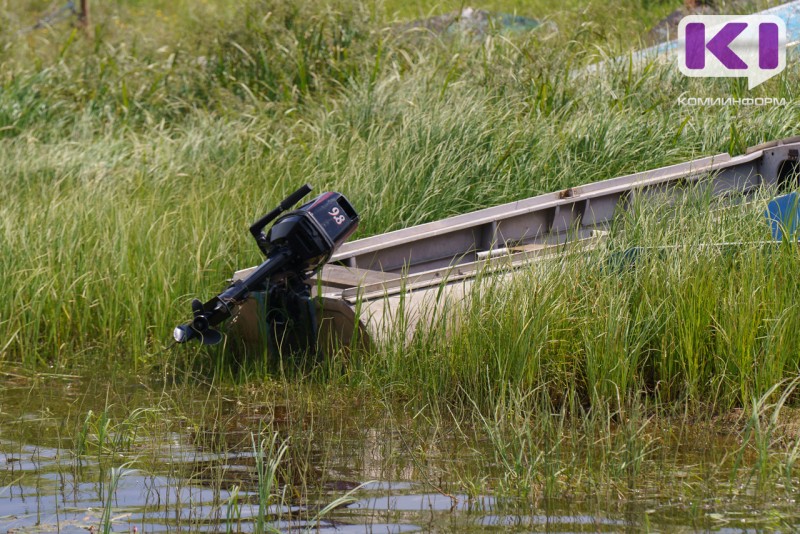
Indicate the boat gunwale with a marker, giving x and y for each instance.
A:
(669, 173)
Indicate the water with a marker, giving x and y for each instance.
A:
(78, 456)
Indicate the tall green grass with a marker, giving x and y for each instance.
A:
(664, 309)
(133, 164)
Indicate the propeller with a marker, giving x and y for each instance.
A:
(199, 327)
(208, 335)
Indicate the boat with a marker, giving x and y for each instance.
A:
(371, 285)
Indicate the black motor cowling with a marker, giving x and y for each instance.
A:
(314, 231)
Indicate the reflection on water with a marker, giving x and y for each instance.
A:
(61, 470)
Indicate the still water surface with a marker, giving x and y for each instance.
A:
(69, 462)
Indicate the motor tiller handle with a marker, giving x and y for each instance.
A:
(288, 202)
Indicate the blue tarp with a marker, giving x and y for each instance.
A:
(783, 215)
(476, 22)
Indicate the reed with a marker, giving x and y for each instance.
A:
(663, 310)
(128, 167)
(133, 165)
(116, 213)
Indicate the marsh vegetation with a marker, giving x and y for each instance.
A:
(661, 393)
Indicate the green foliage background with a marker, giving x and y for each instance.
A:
(132, 164)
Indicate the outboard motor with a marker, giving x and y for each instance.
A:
(296, 247)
